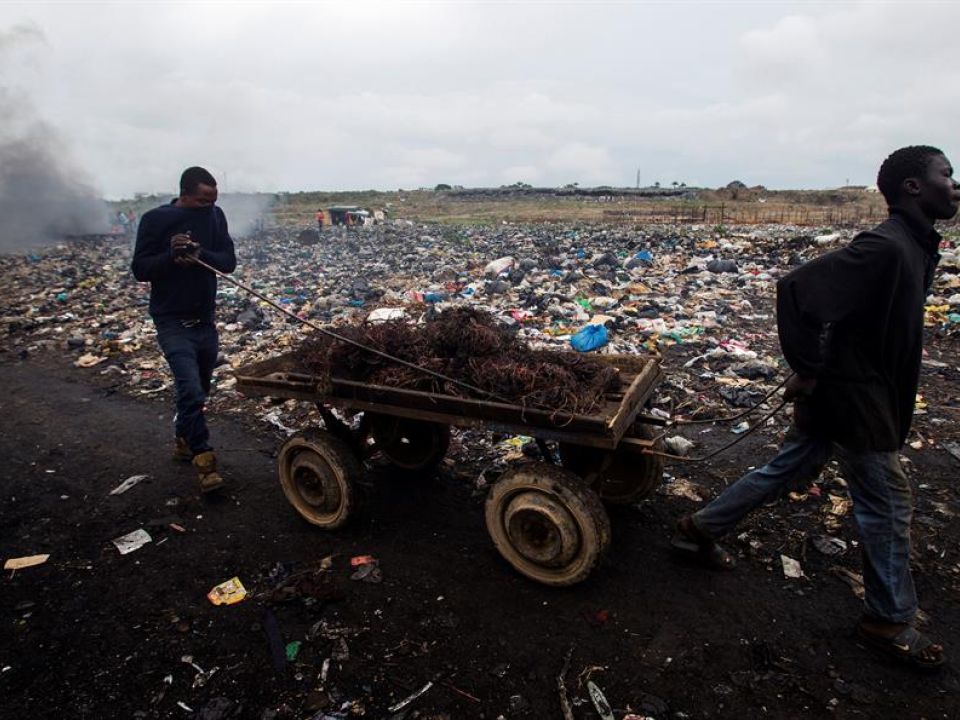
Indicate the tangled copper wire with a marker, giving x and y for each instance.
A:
(469, 345)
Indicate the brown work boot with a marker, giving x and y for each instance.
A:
(206, 465)
(181, 450)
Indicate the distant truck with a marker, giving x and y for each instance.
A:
(350, 215)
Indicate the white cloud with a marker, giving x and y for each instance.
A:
(376, 94)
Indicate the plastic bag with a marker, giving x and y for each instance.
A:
(590, 338)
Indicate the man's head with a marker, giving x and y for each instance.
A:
(922, 177)
(198, 188)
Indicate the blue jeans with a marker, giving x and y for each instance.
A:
(882, 507)
(191, 351)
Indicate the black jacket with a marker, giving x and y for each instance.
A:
(853, 319)
(176, 291)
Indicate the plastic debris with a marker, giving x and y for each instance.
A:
(397, 707)
(368, 570)
(228, 592)
(132, 541)
(829, 545)
(590, 338)
(24, 562)
(599, 701)
(678, 445)
(88, 361)
(953, 449)
(791, 567)
(127, 484)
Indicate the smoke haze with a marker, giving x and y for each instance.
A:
(245, 212)
(43, 194)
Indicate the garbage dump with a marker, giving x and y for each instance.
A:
(699, 297)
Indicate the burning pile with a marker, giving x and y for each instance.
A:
(468, 345)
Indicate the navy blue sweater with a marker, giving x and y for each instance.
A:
(182, 291)
(853, 319)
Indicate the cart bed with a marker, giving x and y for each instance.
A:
(280, 377)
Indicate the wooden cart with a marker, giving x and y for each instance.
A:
(546, 519)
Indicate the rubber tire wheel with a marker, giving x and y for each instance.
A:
(413, 445)
(547, 524)
(630, 476)
(319, 474)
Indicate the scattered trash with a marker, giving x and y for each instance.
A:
(385, 314)
(565, 707)
(132, 541)
(829, 545)
(127, 484)
(228, 592)
(293, 649)
(854, 580)
(88, 361)
(679, 487)
(952, 448)
(202, 676)
(24, 562)
(678, 445)
(590, 338)
(367, 571)
(599, 701)
(397, 707)
(791, 567)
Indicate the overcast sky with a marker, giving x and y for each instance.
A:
(387, 95)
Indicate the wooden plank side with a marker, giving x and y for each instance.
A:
(276, 377)
(638, 393)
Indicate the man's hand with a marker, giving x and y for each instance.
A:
(798, 387)
(184, 249)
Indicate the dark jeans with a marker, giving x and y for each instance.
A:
(190, 348)
(882, 507)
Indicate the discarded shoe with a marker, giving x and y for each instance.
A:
(181, 450)
(206, 465)
(689, 541)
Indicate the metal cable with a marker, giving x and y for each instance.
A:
(748, 411)
(743, 436)
(341, 338)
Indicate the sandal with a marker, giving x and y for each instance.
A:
(909, 646)
(691, 542)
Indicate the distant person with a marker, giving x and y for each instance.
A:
(320, 218)
(851, 328)
(182, 304)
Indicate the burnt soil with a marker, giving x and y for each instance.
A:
(93, 634)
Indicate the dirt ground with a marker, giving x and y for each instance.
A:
(95, 634)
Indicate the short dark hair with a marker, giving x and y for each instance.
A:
(907, 162)
(193, 178)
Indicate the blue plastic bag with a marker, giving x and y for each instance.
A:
(590, 338)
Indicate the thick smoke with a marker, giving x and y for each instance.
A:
(44, 196)
(246, 213)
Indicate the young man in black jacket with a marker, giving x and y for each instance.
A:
(851, 328)
(182, 304)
